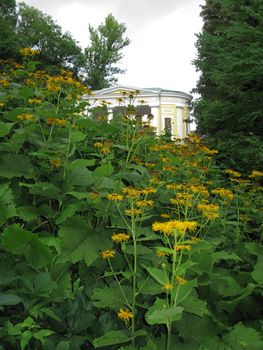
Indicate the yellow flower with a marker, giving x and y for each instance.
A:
(52, 87)
(165, 216)
(160, 253)
(25, 116)
(148, 190)
(34, 101)
(255, 174)
(120, 237)
(167, 286)
(224, 193)
(144, 203)
(125, 315)
(2, 104)
(180, 247)
(98, 144)
(130, 212)
(131, 192)
(55, 162)
(174, 226)
(115, 197)
(180, 280)
(233, 173)
(209, 211)
(4, 82)
(27, 51)
(94, 195)
(107, 254)
(56, 121)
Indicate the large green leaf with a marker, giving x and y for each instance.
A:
(80, 163)
(111, 296)
(242, 337)
(160, 313)
(257, 273)
(15, 165)
(15, 239)
(5, 128)
(80, 242)
(157, 274)
(111, 338)
(195, 306)
(104, 170)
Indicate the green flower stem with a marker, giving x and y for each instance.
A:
(122, 292)
(169, 334)
(134, 281)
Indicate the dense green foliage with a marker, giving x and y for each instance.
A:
(112, 238)
(104, 52)
(230, 59)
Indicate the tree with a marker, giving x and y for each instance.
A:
(8, 37)
(38, 30)
(104, 52)
(230, 59)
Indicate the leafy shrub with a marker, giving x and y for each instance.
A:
(113, 238)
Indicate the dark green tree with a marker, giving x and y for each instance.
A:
(8, 38)
(38, 30)
(104, 52)
(230, 59)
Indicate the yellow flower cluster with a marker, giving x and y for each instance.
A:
(108, 254)
(174, 226)
(25, 116)
(34, 101)
(56, 121)
(120, 237)
(180, 280)
(179, 247)
(131, 212)
(167, 286)
(224, 193)
(125, 315)
(27, 51)
(103, 147)
(114, 197)
(4, 82)
(209, 211)
(255, 174)
(233, 173)
(144, 203)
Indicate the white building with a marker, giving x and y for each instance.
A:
(169, 108)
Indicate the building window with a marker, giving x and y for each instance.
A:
(168, 126)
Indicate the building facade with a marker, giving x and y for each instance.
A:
(169, 110)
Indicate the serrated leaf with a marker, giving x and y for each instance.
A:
(37, 254)
(25, 338)
(242, 337)
(15, 165)
(68, 211)
(224, 255)
(15, 239)
(195, 306)
(111, 296)
(257, 273)
(159, 313)
(80, 242)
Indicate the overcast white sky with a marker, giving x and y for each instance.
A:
(162, 34)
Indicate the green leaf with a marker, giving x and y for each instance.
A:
(159, 313)
(68, 211)
(80, 242)
(44, 285)
(28, 213)
(80, 177)
(37, 254)
(111, 338)
(257, 273)
(104, 170)
(224, 255)
(25, 338)
(80, 163)
(111, 296)
(195, 306)
(77, 136)
(225, 285)
(9, 299)
(5, 128)
(183, 291)
(15, 165)
(157, 274)
(63, 345)
(242, 337)
(15, 239)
